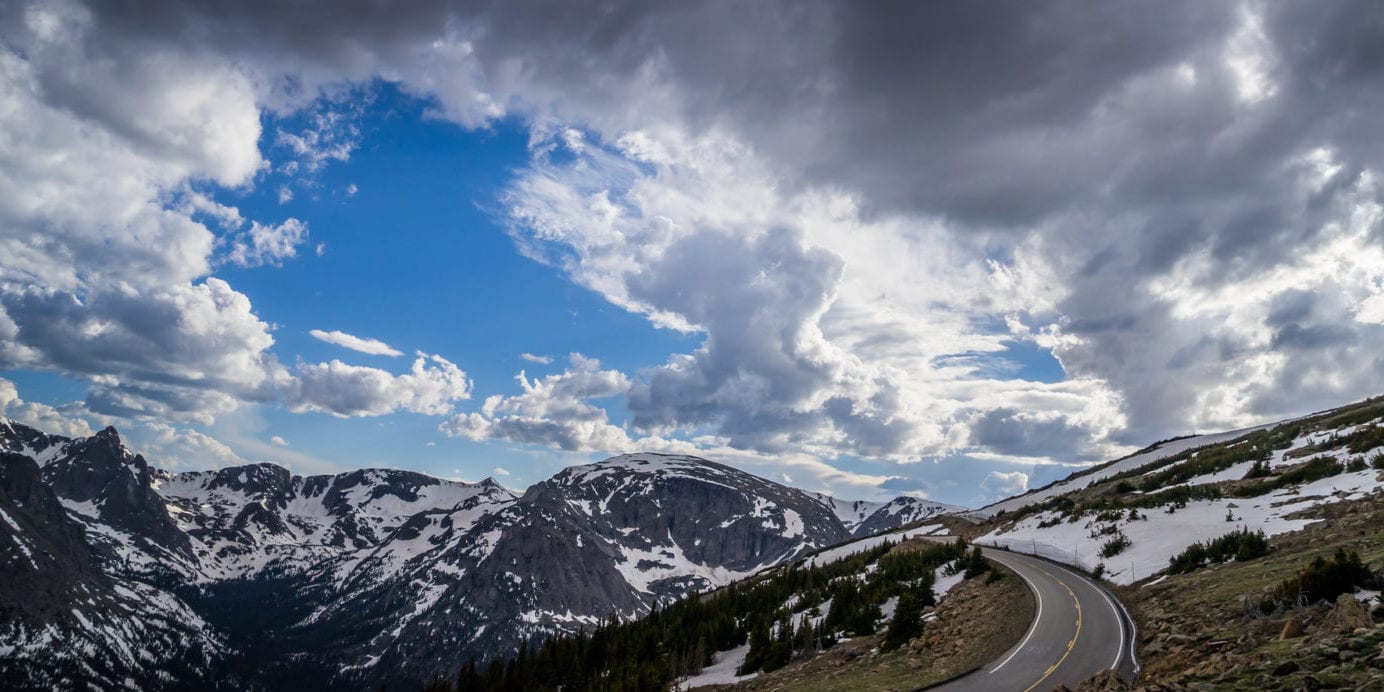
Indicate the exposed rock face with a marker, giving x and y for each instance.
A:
(66, 623)
(45, 556)
(99, 473)
(252, 571)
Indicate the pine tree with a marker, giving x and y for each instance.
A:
(759, 649)
(907, 623)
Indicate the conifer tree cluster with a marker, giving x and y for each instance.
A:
(786, 613)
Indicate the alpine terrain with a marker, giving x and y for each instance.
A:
(124, 575)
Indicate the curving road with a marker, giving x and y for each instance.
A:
(1078, 630)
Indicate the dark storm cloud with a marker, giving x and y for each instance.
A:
(1157, 154)
(1012, 432)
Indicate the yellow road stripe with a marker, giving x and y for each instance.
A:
(1071, 644)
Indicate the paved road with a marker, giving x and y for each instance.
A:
(1078, 630)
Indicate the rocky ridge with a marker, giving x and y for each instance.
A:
(249, 570)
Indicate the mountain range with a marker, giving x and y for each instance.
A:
(126, 575)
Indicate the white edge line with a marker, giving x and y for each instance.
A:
(1119, 653)
(1132, 629)
(1031, 628)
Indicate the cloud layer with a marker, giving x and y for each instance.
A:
(860, 209)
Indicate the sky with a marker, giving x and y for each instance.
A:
(955, 250)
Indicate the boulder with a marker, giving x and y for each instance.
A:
(1347, 615)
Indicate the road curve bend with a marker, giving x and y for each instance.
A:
(1078, 630)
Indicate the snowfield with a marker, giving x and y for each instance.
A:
(1157, 535)
(1163, 451)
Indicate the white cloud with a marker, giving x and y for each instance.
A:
(541, 360)
(343, 390)
(277, 440)
(267, 245)
(330, 135)
(180, 449)
(1002, 485)
(553, 411)
(373, 347)
(873, 256)
(501, 471)
(38, 415)
(825, 331)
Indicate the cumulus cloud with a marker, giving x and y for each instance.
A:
(277, 440)
(1002, 485)
(500, 471)
(810, 340)
(104, 248)
(176, 448)
(165, 446)
(555, 411)
(430, 387)
(373, 347)
(38, 415)
(541, 360)
(267, 245)
(329, 135)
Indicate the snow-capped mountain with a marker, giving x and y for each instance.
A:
(71, 616)
(246, 572)
(864, 518)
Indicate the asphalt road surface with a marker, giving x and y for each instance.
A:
(1078, 630)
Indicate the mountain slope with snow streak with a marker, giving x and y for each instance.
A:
(1276, 479)
(249, 570)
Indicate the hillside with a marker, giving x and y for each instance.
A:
(1134, 516)
(1226, 548)
(839, 605)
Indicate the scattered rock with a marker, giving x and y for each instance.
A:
(1286, 668)
(1104, 681)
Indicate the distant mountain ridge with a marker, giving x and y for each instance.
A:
(242, 574)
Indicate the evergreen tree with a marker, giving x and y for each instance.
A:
(759, 649)
(907, 623)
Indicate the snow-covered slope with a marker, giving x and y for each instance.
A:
(247, 519)
(899, 512)
(1086, 479)
(1270, 478)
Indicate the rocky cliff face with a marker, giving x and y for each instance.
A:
(69, 615)
(255, 576)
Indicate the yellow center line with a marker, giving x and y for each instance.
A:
(1071, 644)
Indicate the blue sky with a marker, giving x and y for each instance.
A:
(791, 240)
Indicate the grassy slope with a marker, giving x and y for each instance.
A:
(1185, 617)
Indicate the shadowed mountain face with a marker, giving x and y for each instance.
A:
(254, 576)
